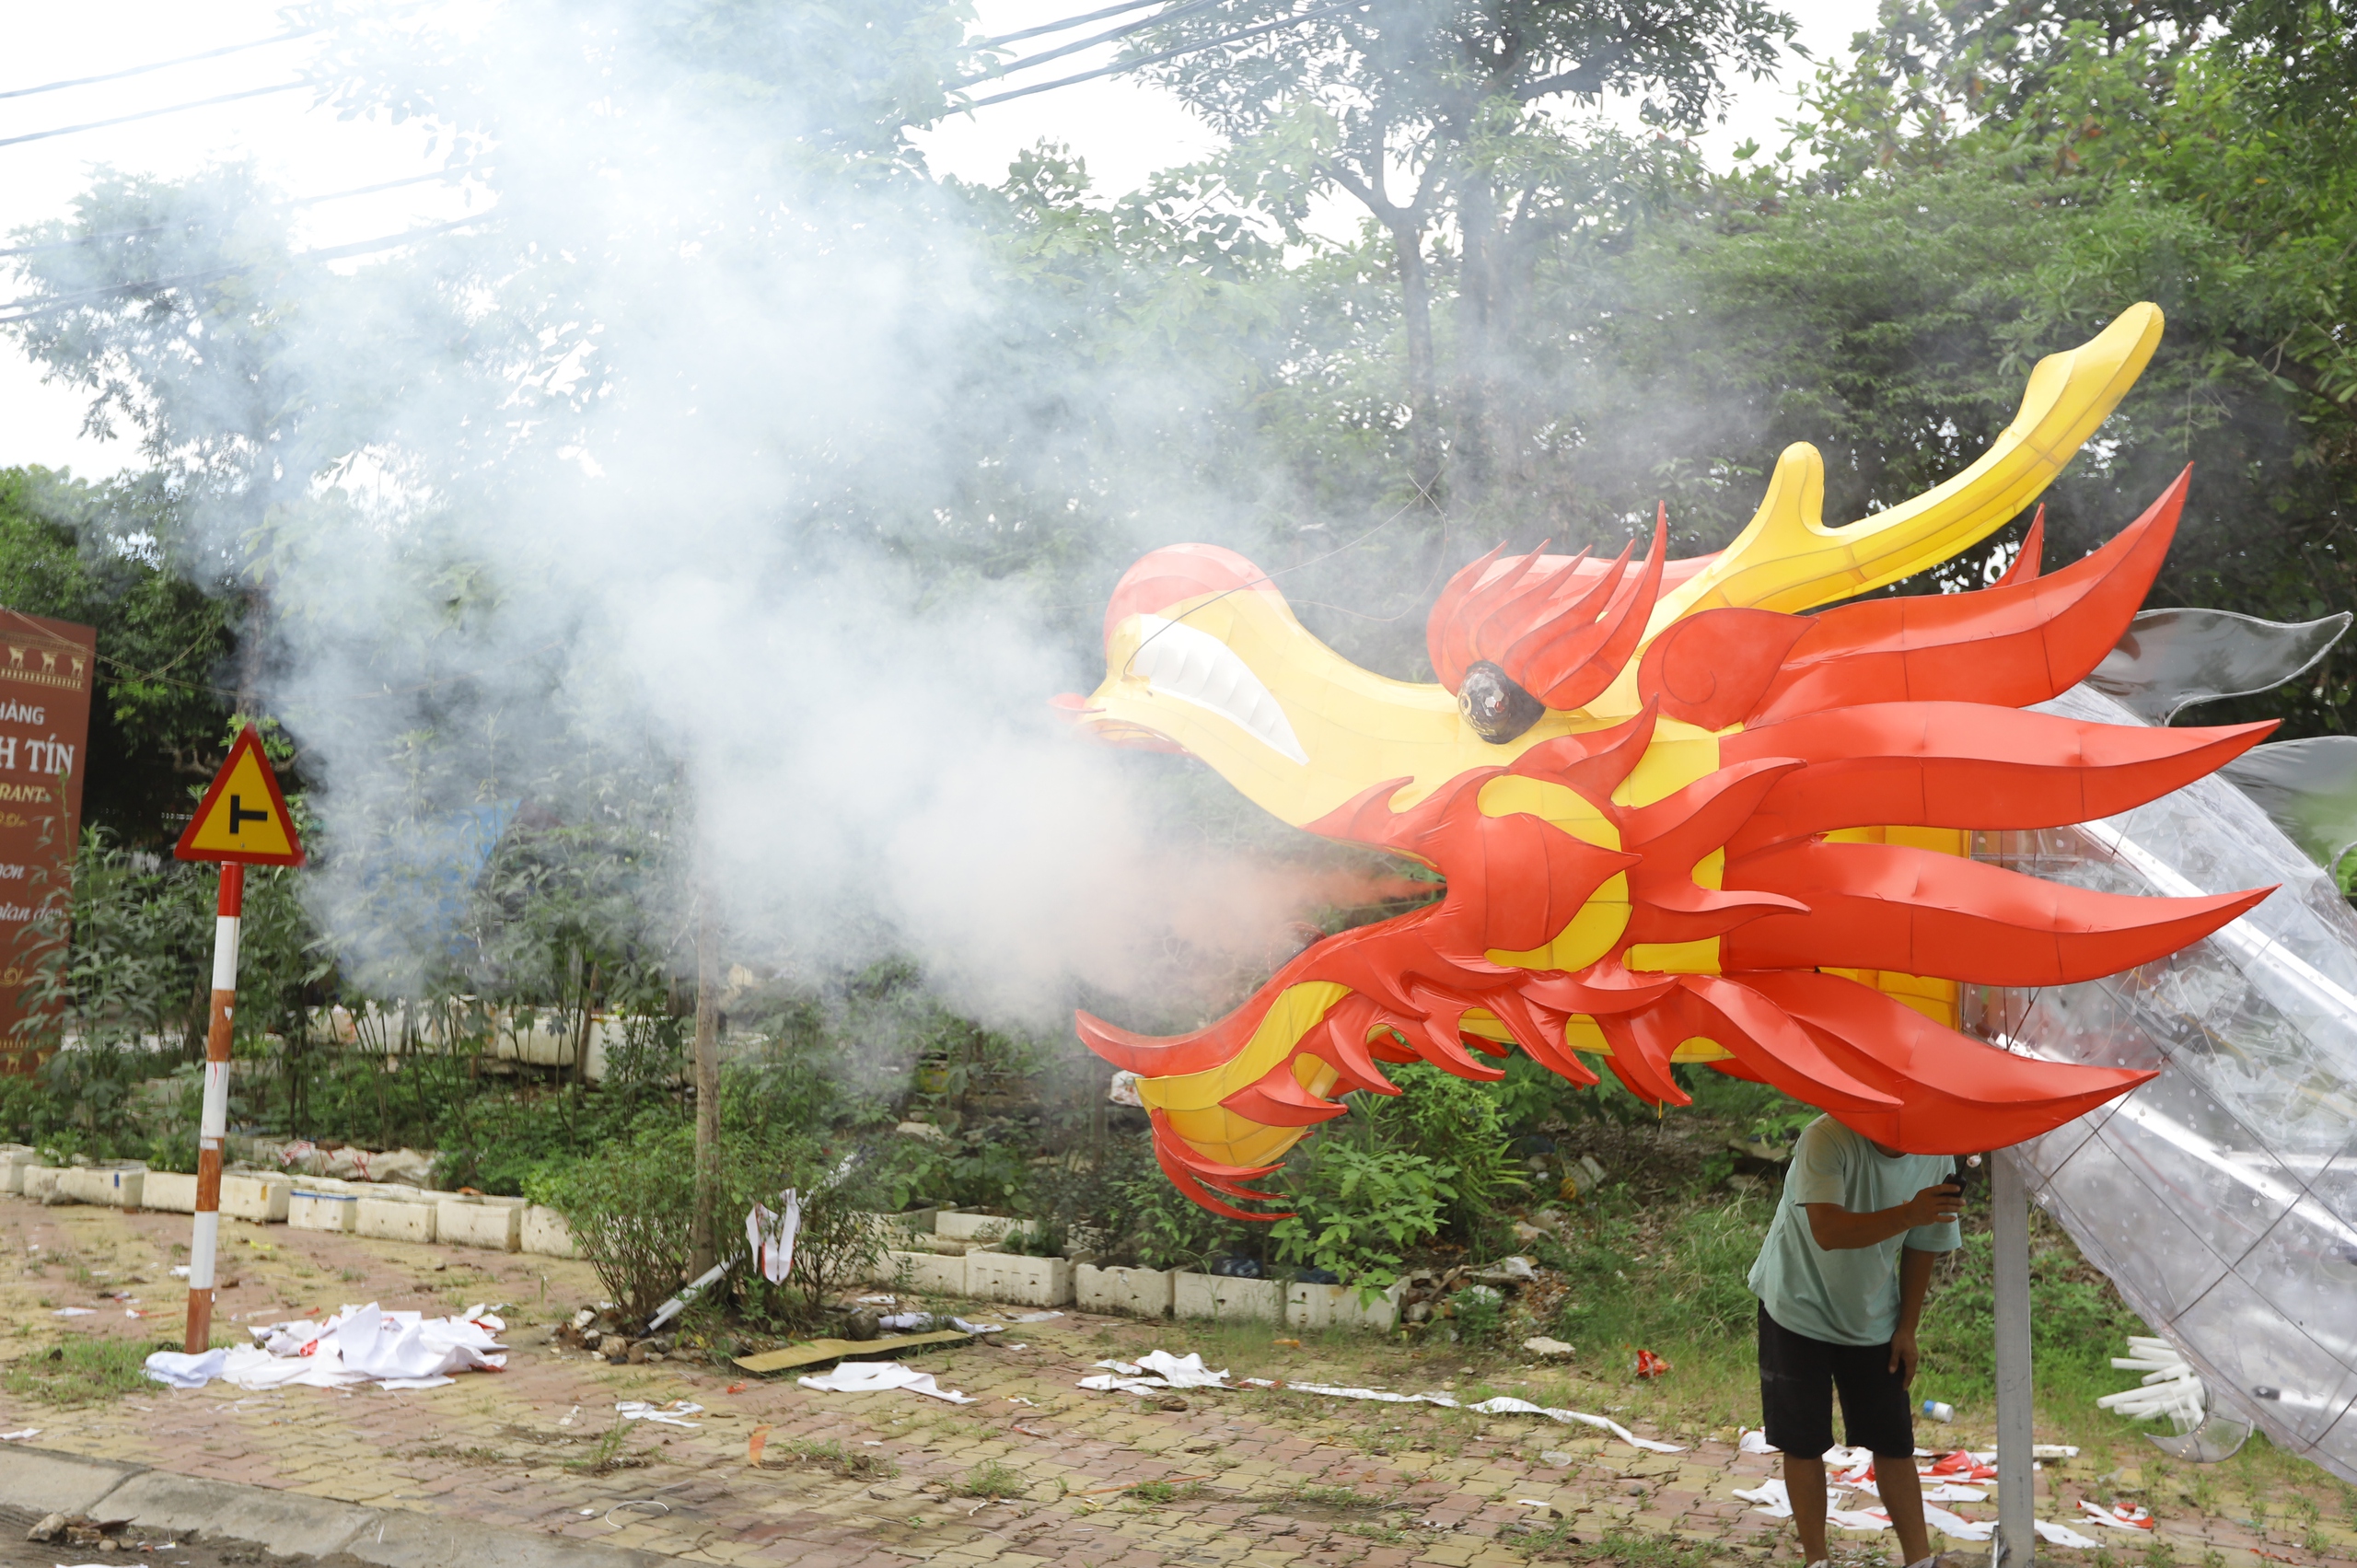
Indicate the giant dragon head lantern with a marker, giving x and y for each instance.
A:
(1677, 818)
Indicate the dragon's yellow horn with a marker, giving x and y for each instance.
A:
(1787, 559)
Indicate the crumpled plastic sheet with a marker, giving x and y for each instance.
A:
(882, 1376)
(1154, 1372)
(1777, 1503)
(2221, 1197)
(359, 1345)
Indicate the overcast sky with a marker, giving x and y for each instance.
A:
(1125, 130)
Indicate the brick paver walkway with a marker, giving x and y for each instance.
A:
(1259, 1478)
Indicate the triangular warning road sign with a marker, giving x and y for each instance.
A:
(243, 817)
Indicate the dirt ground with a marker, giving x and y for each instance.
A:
(1036, 1469)
(143, 1546)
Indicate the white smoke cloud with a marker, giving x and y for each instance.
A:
(699, 456)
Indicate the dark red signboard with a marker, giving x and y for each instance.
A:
(46, 668)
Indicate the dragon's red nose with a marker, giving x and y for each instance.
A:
(1166, 576)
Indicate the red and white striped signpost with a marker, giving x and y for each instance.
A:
(242, 821)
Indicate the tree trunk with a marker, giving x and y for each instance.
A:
(704, 1249)
(1416, 310)
(249, 633)
(1476, 300)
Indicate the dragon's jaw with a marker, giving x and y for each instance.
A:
(1234, 680)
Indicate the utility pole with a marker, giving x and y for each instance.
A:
(704, 1248)
(2016, 1482)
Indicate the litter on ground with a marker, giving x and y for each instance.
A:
(881, 1377)
(1500, 1406)
(360, 1344)
(812, 1351)
(1154, 1372)
(1777, 1503)
(2119, 1517)
(672, 1415)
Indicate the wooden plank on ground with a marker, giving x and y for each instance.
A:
(812, 1351)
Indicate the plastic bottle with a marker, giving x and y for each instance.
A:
(1939, 1412)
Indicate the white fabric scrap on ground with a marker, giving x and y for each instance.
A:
(359, 1345)
(1500, 1406)
(881, 1377)
(672, 1415)
(2118, 1517)
(1777, 1503)
(1154, 1371)
(1504, 1406)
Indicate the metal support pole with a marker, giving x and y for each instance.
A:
(2016, 1485)
(206, 1239)
(705, 1226)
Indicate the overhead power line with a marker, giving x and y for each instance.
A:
(150, 114)
(1237, 36)
(34, 305)
(1108, 36)
(1067, 23)
(80, 239)
(162, 65)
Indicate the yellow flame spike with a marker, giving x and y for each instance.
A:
(1787, 559)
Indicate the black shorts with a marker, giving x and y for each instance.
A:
(1797, 1377)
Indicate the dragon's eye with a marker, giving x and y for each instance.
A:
(1498, 710)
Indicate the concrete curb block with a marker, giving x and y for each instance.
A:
(45, 1481)
(48, 1483)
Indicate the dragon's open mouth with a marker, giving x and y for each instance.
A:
(1179, 662)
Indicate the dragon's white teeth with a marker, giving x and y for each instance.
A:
(1181, 662)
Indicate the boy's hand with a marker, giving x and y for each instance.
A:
(1904, 1355)
(1935, 1206)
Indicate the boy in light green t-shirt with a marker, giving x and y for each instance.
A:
(1841, 1281)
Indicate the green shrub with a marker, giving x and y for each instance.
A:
(1162, 1229)
(1459, 1124)
(837, 1241)
(630, 1211)
(1480, 1313)
(1359, 1210)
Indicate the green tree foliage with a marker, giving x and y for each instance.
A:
(2208, 174)
(98, 555)
(1429, 114)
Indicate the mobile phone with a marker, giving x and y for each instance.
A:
(1970, 1170)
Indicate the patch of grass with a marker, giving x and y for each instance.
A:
(1653, 1551)
(608, 1453)
(990, 1479)
(81, 1372)
(1556, 1540)
(464, 1455)
(1618, 1546)
(1329, 1499)
(1165, 1490)
(827, 1456)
